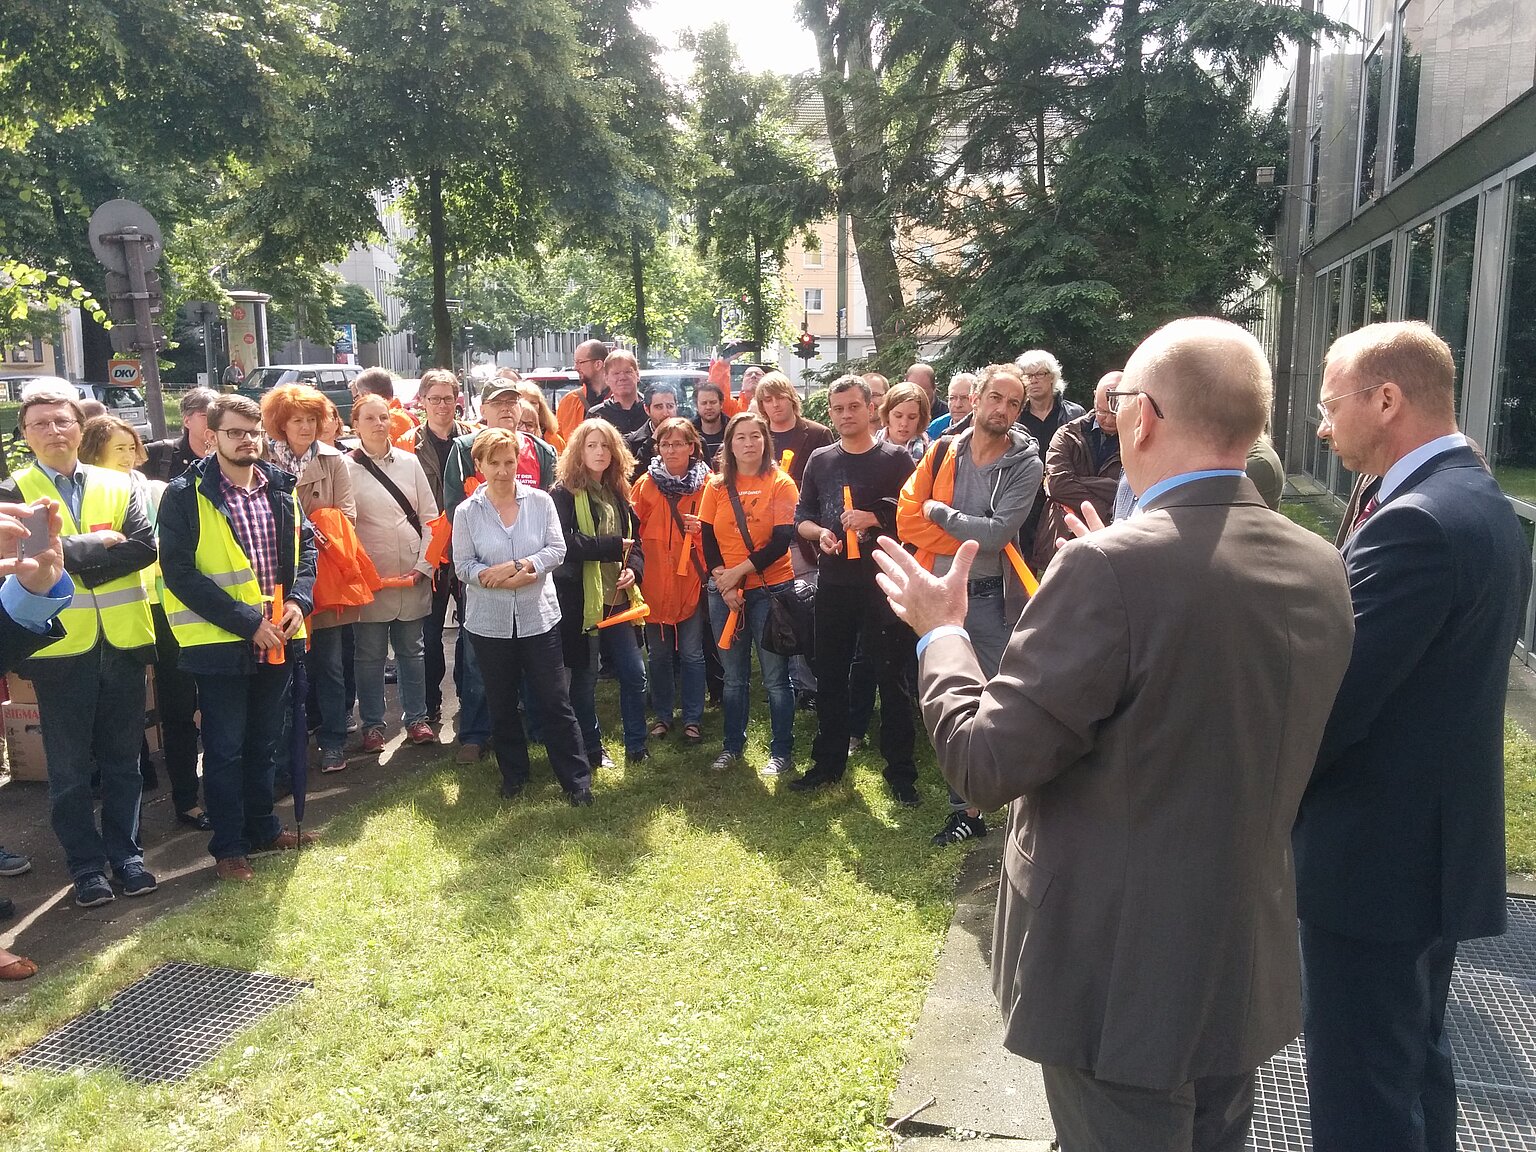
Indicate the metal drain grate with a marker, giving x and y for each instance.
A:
(164, 1025)
(1491, 1018)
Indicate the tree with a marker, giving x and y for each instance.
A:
(1142, 206)
(755, 184)
(356, 305)
(478, 107)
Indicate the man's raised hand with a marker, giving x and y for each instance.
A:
(923, 600)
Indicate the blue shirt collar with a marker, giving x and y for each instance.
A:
(1182, 478)
(56, 477)
(1411, 463)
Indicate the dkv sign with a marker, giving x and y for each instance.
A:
(125, 373)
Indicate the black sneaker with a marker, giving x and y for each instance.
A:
(7, 907)
(633, 759)
(812, 780)
(960, 826)
(92, 889)
(136, 880)
(805, 700)
(511, 791)
(906, 795)
(582, 799)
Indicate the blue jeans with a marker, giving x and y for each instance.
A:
(686, 640)
(737, 661)
(474, 724)
(240, 753)
(327, 674)
(621, 650)
(93, 719)
(373, 643)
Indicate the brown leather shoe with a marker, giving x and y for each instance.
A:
(286, 841)
(235, 868)
(468, 754)
(15, 968)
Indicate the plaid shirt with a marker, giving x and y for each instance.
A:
(250, 509)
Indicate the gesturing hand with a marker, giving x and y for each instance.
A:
(923, 600)
(1090, 521)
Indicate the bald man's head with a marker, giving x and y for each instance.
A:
(922, 375)
(1209, 377)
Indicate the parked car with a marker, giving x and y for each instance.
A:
(122, 402)
(11, 383)
(335, 380)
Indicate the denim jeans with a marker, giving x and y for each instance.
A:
(686, 641)
(93, 720)
(474, 723)
(240, 753)
(620, 649)
(327, 678)
(434, 662)
(986, 621)
(373, 643)
(737, 660)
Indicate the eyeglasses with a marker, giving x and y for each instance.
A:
(61, 425)
(440, 399)
(241, 433)
(1037, 375)
(1325, 413)
(1114, 399)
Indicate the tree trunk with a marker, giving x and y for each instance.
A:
(759, 332)
(856, 128)
(1131, 37)
(437, 238)
(637, 274)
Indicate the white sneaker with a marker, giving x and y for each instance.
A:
(777, 766)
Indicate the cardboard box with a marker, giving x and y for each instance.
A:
(24, 729)
(24, 742)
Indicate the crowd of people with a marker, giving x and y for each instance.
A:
(1198, 691)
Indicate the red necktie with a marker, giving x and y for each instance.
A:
(1365, 513)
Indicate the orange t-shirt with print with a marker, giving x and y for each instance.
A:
(768, 500)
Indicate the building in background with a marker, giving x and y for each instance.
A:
(1413, 196)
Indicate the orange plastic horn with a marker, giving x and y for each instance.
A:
(682, 560)
(278, 655)
(1026, 577)
(396, 581)
(728, 632)
(639, 612)
(853, 537)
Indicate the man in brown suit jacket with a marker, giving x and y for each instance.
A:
(1153, 724)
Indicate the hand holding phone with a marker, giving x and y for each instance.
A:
(29, 544)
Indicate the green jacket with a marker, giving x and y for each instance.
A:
(461, 466)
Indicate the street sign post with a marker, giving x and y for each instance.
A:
(128, 243)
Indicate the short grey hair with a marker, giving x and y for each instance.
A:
(196, 400)
(968, 379)
(36, 395)
(1038, 358)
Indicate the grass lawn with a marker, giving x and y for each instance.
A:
(694, 963)
(1519, 798)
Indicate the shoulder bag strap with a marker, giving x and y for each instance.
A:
(741, 525)
(682, 529)
(389, 486)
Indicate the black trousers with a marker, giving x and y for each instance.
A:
(1211, 1114)
(176, 697)
(443, 594)
(503, 663)
(1379, 1071)
(844, 613)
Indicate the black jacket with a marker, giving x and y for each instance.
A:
(168, 459)
(17, 643)
(579, 549)
(178, 564)
(1401, 831)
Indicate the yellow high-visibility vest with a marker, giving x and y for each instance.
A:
(220, 558)
(118, 609)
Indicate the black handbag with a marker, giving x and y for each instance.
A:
(790, 628)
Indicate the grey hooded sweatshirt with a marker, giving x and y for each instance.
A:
(991, 503)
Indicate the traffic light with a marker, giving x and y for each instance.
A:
(806, 346)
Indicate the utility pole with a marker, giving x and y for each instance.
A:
(128, 243)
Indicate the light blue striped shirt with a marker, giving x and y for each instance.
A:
(481, 541)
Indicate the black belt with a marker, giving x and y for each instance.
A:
(986, 586)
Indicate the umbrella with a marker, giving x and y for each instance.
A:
(299, 748)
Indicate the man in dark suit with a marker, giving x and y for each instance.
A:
(35, 590)
(1154, 721)
(1400, 840)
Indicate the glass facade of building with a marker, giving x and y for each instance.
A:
(1421, 204)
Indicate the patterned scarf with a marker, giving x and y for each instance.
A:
(674, 486)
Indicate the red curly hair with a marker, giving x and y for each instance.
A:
(286, 401)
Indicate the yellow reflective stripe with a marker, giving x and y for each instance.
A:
(185, 616)
(230, 579)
